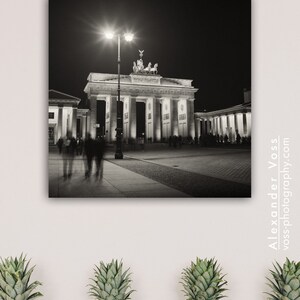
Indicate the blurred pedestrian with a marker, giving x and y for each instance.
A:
(238, 137)
(79, 146)
(68, 152)
(59, 144)
(99, 148)
(226, 139)
(175, 140)
(179, 141)
(89, 154)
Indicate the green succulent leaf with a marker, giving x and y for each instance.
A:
(203, 280)
(110, 282)
(285, 281)
(14, 279)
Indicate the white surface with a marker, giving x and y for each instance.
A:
(156, 238)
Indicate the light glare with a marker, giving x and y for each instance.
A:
(109, 34)
(128, 37)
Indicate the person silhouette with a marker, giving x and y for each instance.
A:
(238, 137)
(89, 154)
(99, 147)
(68, 152)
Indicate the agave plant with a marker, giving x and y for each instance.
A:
(14, 279)
(110, 282)
(285, 281)
(203, 280)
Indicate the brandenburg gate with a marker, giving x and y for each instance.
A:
(169, 103)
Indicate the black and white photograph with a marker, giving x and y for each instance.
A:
(150, 179)
(149, 99)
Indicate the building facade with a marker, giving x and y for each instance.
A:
(169, 109)
(64, 116)
(229, 121)
(169, 104)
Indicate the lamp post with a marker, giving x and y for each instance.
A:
(128, 37)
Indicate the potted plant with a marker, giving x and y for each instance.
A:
(285, 281)
(110, 282)
(14, 279)
(203, 280)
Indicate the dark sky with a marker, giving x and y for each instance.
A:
(208, 41)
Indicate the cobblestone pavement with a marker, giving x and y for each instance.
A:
(223, 163)
(164, 172)
(117, 182)
(193, 184)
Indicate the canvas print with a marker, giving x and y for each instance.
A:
(149, 99)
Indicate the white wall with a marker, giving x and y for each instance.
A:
(156, 238)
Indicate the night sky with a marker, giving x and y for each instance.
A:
(208, 41)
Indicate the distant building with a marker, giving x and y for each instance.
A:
(169, 104)
(169, 110)
(230, 121)
(64, 115)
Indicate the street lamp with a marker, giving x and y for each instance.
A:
(128, 37)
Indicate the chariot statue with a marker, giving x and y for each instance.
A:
(138, 66)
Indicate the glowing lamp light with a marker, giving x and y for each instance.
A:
(109, 34)
(128, 37)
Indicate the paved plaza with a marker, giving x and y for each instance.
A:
(158, 172)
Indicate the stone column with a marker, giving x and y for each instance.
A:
(83, 127)
(239, 123)
(190, 118)
(227, 125)
(152, 120)
(235, 123)
(88, 122)
(232, 133)
(74, 122)
(129, 118)
(59, 122)
(208, 126)
(183, 118)
(111, 118)
(198, 127)
(174, 115)
(157, 123)
(167, 118)
(203, 127)
(248, 118)
(93, 117)
(224, 125)
(214, 126)
(221, 125)
(245, 124)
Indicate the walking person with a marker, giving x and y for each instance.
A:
(68, 152)
(59, 144)
(99, 153)
(238, 137)
(89, 154)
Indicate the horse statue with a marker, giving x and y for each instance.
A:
(154, 69)
(135, 67)
(147, 69)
